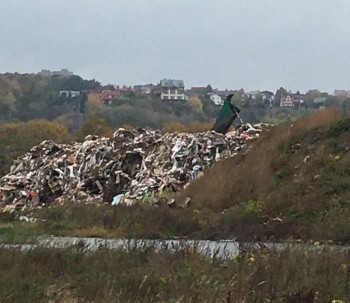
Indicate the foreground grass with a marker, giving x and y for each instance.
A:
(176, 275)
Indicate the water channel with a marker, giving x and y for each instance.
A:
(222, 249)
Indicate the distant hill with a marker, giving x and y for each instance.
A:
(25, 97)
(69, 101)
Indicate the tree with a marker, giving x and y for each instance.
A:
(208, 89)
(312, 94)
(171, 127)
(239, 96)
(18, 138)
(196, 127)
(280, 93)
(209, 108)
(94, 126)
(10, 101)
(196, 103)
(93, 105)
(259, 101)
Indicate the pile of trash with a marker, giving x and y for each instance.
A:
(131, 166)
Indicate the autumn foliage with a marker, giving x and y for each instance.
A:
(17, 138)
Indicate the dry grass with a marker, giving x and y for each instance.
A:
(297, 173)
(179, 274)
(249, 177)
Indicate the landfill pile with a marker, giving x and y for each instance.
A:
(131, 166)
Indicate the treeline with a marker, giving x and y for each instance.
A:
(144, 111)
(17, 138)
(24, 97)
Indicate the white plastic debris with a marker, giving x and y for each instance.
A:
(121, 169)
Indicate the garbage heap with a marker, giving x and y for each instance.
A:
(131, 166)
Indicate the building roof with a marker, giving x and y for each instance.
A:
(107, 94)
(198, 88)
(295, 96)
(266, 92)
(340, 92)
(172, 83)
(320, 100)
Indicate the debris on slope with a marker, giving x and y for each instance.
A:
(130, 166)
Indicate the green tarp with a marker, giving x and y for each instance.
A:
(227, 115)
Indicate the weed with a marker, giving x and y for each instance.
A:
(179, 274)
(339, 127)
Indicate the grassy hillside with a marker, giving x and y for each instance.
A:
(294, 182)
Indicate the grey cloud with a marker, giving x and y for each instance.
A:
(252, 44)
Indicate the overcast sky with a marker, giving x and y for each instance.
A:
(250, 44)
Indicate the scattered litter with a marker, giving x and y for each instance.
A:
(128, 167)
(316, 177)
(187, 202)
(306, 159)
(28, 219)
(117, 199)
(296, 147)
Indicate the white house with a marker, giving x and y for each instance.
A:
(69, 93)
(172, 90)
(292, 100)
(216, 99)
(254, 93)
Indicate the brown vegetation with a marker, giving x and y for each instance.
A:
(295, 181)
(17, 138)
(193, 127)
(177, 274)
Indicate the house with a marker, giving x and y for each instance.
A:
(63, 72)
(45, 72)
(172, 90)
(106, 96)
(69, 93)
(341, 93)
(253, 94)
(145, 89)
(216, 99)
(110, 94)
(196, 91)
(223, 93)
(292, 100)
(269, 97)
(319, 101)
(125, 89)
